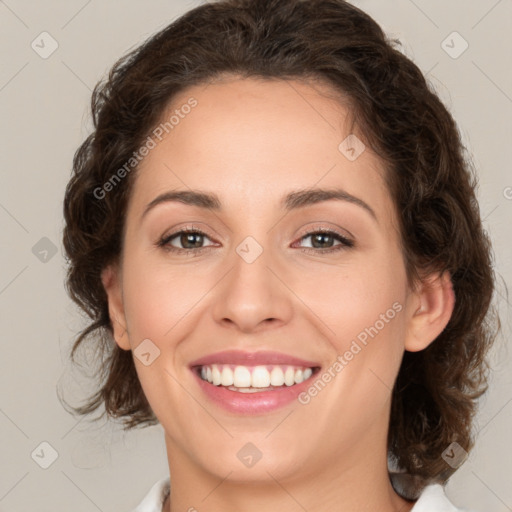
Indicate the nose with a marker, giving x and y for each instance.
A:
(252, 296)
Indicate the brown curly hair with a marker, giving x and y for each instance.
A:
(430, 178)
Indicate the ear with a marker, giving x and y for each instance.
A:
(111, 280)
(432, 307)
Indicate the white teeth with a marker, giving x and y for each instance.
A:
(247, 390)
(216, 378)
(289, 377)
(226, 377)
(276, 376)
(260, 378)
(242, 377)
(250, 379)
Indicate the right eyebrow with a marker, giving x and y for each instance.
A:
(190, 197)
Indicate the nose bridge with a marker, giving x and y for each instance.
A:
(250, 294)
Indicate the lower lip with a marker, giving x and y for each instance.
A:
(252, 403)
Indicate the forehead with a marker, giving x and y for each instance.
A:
(249, 139)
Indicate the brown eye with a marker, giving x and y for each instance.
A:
(191, 240)
(326, 240)
(185, 240)
(322, 240)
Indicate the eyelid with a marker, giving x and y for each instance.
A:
(191, 226)
(322, 227)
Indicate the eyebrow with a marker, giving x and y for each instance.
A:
(307, 197)
(293, 200)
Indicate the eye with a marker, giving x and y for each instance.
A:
(324, 241)
(185, 240)
(192, 240)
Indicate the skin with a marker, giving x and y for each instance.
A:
(251, 142)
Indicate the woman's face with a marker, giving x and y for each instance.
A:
(249, 160)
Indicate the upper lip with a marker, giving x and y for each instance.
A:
(243, 358)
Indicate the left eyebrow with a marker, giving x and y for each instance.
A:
(306, 197)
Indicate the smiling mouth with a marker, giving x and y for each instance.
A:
(254, 379)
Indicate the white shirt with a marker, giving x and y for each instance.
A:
(432, 499)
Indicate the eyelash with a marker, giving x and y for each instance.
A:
(345, 243)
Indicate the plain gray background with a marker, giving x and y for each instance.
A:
(44, 106)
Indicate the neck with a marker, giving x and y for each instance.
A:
(355, 480)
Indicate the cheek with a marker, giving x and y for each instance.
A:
(158, 297)
(357, 301)
(160, 303)
(362, 313)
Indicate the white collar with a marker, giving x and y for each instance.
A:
(432, 498)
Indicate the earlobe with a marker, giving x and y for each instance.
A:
(110, 278)
(434, 303)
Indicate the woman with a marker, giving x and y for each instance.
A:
(274, 230)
